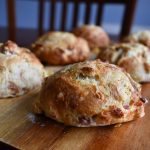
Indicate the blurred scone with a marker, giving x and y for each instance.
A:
(60, 48)
(20, 70)
(91, 93)
(95, 36)
(142, 37)
(133, 57)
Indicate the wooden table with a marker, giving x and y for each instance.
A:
(20, 128)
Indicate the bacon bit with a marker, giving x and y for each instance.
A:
(147, 67)
(2, 68)
(117, 112)
(61, 50)
(73, 105)
(45, 78)
(94, 117)
(25, 89)
(144, 100)
(131, 102)
(139, 103)
(81, 75)
(126, 106)
(13, 87)
(37, 45)
(84, 120)
(87, 69)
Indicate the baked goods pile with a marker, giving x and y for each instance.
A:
(86, 92)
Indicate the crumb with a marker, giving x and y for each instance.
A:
(117, 125)
(31, 117)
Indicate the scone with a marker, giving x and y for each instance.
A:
(133, 57)
(95, 35)
(91, 93)
(60, 48)
(20, 70)
(142, 37)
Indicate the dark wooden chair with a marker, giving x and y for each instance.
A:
(125, 25)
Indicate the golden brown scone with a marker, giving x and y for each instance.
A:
(20, 70)
(95, 35)
(133, 57)
(60, 48)
(91, 93)
(142, 37)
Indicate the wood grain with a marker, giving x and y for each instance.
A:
(20, 128)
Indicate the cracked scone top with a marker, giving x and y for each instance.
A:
(20, 70)
(142, 37)
(95, 35)
(60, 48)
(91, 93)
(133, 57)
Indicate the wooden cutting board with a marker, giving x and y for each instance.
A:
(20, 128)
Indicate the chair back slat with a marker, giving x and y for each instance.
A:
(11, 19)
(64, 15)
(128, 17)
(87, 11)
(99, 15)
(41, 17)
(75, 13)
(52, 14)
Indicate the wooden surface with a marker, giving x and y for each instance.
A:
(20, 128)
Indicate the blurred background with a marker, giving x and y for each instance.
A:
(27, 17)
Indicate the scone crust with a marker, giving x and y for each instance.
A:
(20, 70)
(60, 48)
(142, 37)
(90, 93)
(133, 57)
(95, 35)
